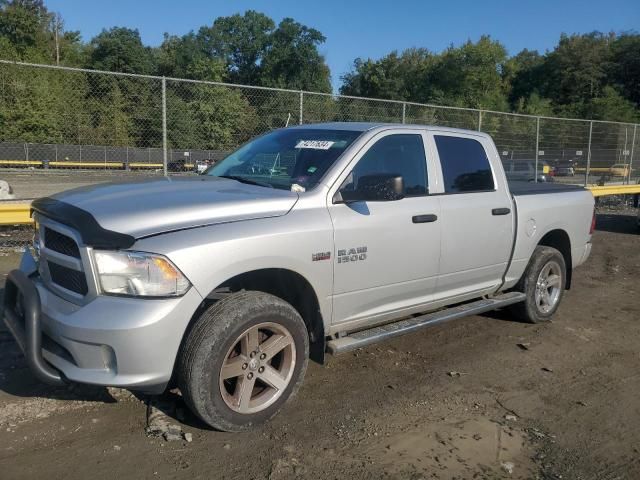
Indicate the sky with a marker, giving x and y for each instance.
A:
(368, 29)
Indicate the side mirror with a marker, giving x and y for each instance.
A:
(374, 188)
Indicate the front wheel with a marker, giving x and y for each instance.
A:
(244, 357)
(543, 283)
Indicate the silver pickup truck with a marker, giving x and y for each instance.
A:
(306, 240)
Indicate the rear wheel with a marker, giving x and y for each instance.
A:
(543, 283)
(245, 356)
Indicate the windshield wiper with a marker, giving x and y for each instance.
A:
(240, 179)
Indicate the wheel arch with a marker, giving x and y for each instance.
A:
(559, 239)
(290, 286)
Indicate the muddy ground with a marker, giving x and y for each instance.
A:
(461, 400)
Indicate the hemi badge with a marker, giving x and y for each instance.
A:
(316, 257)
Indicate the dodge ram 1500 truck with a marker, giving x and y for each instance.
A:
(309, 239)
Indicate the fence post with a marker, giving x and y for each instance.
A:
(535, 173)
(26, 151)
(105, 157)
(164, 127)
(479, 120)
(633, 143)
(404, 112)
(586, 174)
(300, 107)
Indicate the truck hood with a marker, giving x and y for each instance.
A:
(149, 207)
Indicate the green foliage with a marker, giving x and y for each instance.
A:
(209, 116)
(395, 77)
(593, 75)
(534, 104)
(53, 106)
(241, 41)
(468, 76)
(292, 59)
(471, 75)
(120, 50)
(24, 23)
(611, 104)
(588, 76)
(625, 67)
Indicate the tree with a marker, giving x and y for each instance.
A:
(576, 70)
(394, 76)
(625, 66)
(292, 59)
(584, 75)
(534, 104)
(470, 75)
(523, 73)
(24, 23)
(186, 56)
(240, 41)
(612, 105)
(122, 110)
(120, 49)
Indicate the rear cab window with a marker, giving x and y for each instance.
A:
(465, 165)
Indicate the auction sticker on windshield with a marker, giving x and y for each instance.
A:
(315, 144)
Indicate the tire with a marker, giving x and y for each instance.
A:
(545, 262)
(233, 333)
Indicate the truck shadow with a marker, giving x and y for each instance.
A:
(169, 408)
(616, 223)
(503, 314)
(17, 380)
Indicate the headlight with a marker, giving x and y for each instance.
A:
(138, 274)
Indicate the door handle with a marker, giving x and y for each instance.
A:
(424, 218)
(501, 211)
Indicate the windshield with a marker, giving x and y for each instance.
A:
(291, 159)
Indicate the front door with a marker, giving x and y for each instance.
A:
(387, 252)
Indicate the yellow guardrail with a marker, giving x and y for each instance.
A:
(15, 213)
(592, 169)
(20, 162)
(68, 164)
(602, 190)
(19, 213)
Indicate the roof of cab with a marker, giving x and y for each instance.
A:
(365, 126)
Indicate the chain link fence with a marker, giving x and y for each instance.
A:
(59, 118)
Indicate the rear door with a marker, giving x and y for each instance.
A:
(476, 213)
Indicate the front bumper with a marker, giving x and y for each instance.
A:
(114, 341)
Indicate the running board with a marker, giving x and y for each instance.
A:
(408, 325)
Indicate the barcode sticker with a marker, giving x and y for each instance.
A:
(315, 144)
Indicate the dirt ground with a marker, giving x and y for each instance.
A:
(462, 400)
(30, 184)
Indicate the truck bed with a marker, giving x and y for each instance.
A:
(518, 188)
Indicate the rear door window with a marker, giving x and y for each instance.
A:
(465, 166)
